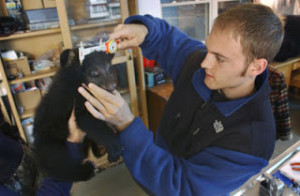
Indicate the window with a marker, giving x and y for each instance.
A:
(195, 17)
(287, 7)
(192, 17)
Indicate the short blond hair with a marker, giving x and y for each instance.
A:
(260, 30)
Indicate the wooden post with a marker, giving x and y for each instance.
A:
(12, 102)
(3, 8)
(64, 23)
(124, 9)
(131, 84)
(4, 111)
(142, 85)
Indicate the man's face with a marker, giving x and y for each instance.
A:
(224, 63)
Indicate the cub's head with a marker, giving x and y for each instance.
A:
(96, 68)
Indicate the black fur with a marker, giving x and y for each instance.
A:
(53, 113)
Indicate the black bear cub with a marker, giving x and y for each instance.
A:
(52, 115)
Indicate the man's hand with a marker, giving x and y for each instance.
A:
(129, 35)
(110, 107)
(76, 135)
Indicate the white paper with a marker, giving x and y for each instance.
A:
(9, 55)
(286, 168)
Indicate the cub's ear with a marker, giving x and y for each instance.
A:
(64, 58)
(68, 57)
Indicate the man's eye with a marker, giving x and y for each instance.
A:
(219, 59)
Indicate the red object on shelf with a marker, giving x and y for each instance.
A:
(148, 63)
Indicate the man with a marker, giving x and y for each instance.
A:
(218, 128)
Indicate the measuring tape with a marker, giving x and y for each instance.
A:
(110, 47)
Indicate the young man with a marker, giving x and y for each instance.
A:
(218, 128)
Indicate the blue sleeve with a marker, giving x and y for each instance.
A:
(213, 171)
(49, 187)
(76, 150)
(166, 44)
(5, 191)
(53, 187)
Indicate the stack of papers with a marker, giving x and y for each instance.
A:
(287, 171)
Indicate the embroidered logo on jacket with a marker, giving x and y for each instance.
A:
(218, 126)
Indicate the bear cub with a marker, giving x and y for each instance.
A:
(51, 148)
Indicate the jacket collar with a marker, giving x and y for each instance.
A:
(230, 106)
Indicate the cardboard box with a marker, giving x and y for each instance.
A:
(154, 76)
(28, 99)
(32, 4)
(13, 67)
(41, 15)
(49, 3)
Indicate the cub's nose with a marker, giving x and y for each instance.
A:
(111, 87)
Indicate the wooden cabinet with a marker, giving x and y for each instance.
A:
(287, 67)
(295, 80)
(157, 97)
(37, 43)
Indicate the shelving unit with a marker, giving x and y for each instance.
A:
(18, 42)
(35, 76)
(39, 42)
(19, 35)
(286, 68)
(26, 114)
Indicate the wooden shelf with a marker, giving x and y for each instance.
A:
(118, 59)
(123, 90)
(286, 68)
(26, 34)
(52, 71)
(35, 76)
(296, 65)
(285, 63)
(174, 3)
(96, 25)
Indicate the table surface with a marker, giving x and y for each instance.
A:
(251, 187)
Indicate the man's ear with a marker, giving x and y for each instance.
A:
(258, 66)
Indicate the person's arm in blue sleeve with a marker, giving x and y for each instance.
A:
(213, 171)
(166, 44)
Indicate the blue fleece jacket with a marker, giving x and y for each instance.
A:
(212, 171)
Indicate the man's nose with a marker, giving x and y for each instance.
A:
(208, 61)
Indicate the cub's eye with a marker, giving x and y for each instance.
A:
(94, 73)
